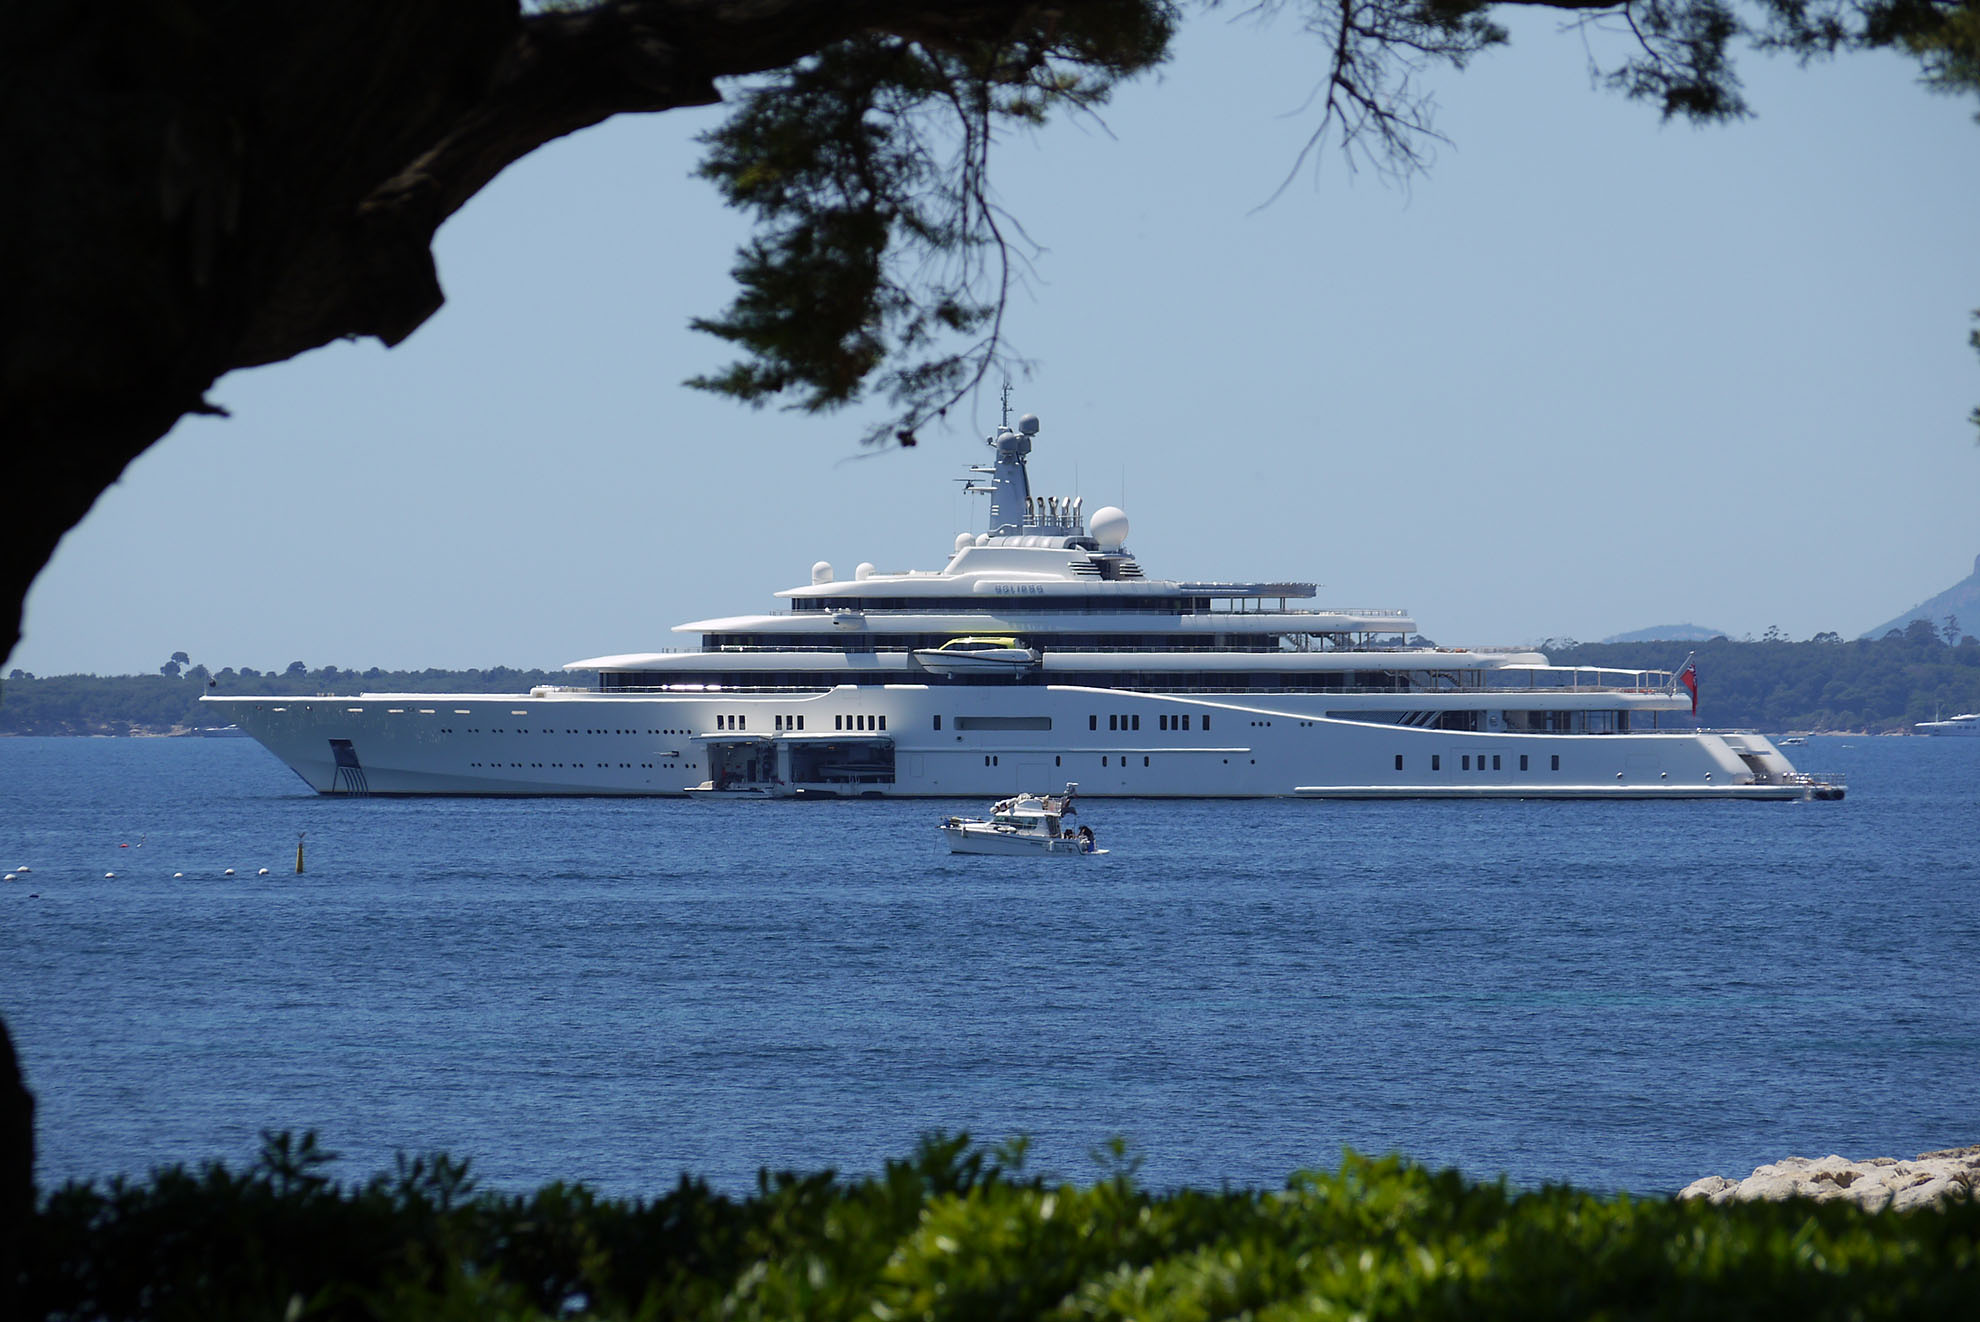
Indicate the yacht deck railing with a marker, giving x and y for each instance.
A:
(993, 605)
(1207, 691)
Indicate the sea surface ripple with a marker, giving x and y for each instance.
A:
(1615, 995)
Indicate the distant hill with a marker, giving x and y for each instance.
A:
(1668, 633)
(1961, 601)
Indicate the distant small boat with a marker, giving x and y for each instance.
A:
(1967, 724)
(1793, 740)
(1027, 824)
(219, 732)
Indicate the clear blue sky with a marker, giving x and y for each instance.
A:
(1592, 373)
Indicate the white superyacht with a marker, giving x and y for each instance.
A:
(1040, 653)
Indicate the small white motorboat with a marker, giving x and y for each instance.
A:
(1027, 824)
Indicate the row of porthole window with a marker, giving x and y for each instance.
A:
(448, 729)
(991, 760)
(860, 721)
(428, 711)
(1132, 721)
(559, 766)
(1437, 762)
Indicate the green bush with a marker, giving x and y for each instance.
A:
(956, 1232)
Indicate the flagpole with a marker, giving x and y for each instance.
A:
(1672, 687)
(1687, 674)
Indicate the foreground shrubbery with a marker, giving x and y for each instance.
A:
(956, 1232)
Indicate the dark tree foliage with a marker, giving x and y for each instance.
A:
(881, 261)
(218, 184)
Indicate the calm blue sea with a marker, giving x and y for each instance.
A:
(1624, 995)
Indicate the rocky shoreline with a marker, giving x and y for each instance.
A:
(1878, 1183)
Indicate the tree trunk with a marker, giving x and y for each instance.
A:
(16, 1170)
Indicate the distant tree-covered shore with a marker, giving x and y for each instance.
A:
(168, 703)
(1826, 683)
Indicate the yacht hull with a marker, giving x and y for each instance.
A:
(963, 840)
(1958, 727)
(910, 741)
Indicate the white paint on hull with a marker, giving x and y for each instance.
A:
(568, 743)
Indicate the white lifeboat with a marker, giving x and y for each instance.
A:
(977, 656)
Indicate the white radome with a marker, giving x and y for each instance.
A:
(821, 572)
(1109, 527)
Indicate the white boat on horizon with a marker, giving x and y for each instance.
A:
(1029, 824)
(1966, 725)
(1040, 651)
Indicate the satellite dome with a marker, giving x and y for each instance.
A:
(863, 570)
(822, 572)
(1028, 424)
(1109, 527)
(965, 540)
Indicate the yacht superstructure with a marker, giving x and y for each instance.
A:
(1040, 652)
